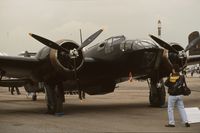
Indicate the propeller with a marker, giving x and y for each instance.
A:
(54, 45)
(90, 39)
(195, 40)
(163, 44)
(83, 44)
(48, 43)
(179, 56)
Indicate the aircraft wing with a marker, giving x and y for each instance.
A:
(193, 59)
(17, 67)
(13, 82)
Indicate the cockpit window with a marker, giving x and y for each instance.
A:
(109, 46)
(143, 44)
(110, 41)
(128, 45)
(115, 39)
(146, 43)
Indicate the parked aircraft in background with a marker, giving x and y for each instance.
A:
(4, 54)
(63, 65)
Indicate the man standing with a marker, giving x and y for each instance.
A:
(17, 90)
(174, 83)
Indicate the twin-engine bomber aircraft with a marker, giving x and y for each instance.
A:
(64, 65)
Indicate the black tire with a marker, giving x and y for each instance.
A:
(157, 99)
(34, 97)
(51, 99)
(55, 99)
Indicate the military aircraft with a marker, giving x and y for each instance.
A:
(65, 65)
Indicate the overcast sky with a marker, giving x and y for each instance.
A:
(58, 19)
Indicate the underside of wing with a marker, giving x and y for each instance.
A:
(17, 67)
(13, 82)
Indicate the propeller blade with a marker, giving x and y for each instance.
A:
(90, 39)
(163, 44)
(48, 43)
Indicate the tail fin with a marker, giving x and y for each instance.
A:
(193, 36)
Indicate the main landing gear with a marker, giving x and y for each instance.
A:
(34, 96)
(81, 94)
(157, 93)
(55, 98)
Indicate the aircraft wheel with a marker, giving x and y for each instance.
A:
(157, 95)
(50, 98)
(55, 99)
(34, 97)
(60, 98)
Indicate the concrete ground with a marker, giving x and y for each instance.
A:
(125, 110)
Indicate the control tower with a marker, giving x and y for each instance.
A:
(159, 28)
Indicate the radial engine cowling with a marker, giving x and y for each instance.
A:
(180, 58)
(62, 60)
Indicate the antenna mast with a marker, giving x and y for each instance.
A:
(81, 37)
(159, 28)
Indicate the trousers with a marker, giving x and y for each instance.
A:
(178, 102)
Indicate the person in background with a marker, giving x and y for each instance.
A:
(17, 90)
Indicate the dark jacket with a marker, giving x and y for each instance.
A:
(175, 84)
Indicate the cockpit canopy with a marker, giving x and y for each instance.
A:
(115, 39)
(137, 45)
